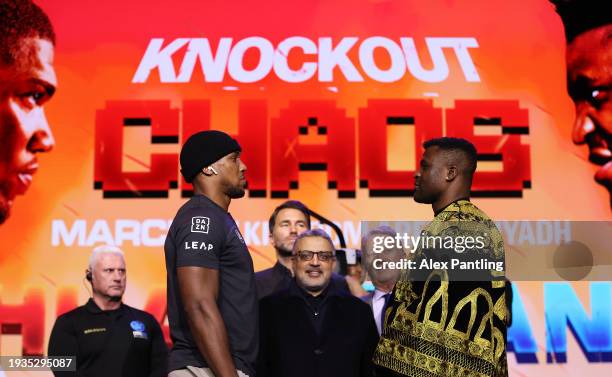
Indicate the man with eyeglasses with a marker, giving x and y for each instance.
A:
(288, 220)
(312, 329)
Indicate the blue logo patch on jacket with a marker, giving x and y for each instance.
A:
(137, 326)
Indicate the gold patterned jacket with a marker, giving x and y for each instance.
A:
(436, 326)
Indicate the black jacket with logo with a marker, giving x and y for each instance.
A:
(119, 343)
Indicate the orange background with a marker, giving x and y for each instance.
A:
(100, 44)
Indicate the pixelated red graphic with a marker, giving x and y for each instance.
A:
(507, 147)
(335, 153)
(373, 123)
(157, 307)
(252, 123)
(316, 135)
(108, 174)
(66, 300)
(27, 319)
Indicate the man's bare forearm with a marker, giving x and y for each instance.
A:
(208, 330)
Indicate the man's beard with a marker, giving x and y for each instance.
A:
(422, 197)
(315, 288)
(235, 192)
(283, 251)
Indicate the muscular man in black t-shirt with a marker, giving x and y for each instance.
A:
(212, 301)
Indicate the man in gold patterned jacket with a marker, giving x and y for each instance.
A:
(438, 323)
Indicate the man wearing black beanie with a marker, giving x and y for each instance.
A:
(212, 302)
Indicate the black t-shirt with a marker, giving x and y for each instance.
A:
(124, 342)
(204, 235)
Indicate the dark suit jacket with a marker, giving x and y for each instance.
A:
(290, 346)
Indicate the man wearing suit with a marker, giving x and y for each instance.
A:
(383, 279)
(311, 329)
(288, 220)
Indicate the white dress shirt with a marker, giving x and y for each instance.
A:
(378, 302)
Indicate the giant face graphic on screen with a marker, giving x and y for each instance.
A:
(588, 29)
(27, 82)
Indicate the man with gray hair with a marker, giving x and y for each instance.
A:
(382, 277)
(108, 337)
(311, 328)
(287, 221)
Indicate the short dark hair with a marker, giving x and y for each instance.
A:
(21, 19)
(456, 144)
(579, 16)
(295, 204)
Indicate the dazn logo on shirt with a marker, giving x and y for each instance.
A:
(200, 224)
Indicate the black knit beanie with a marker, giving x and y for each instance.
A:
(204, 148)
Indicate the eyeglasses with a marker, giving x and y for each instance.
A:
(323, 256)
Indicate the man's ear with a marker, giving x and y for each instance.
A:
(271, 237)
(206, 171)
(451, 173)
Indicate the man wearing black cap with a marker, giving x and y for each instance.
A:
(212, 302)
